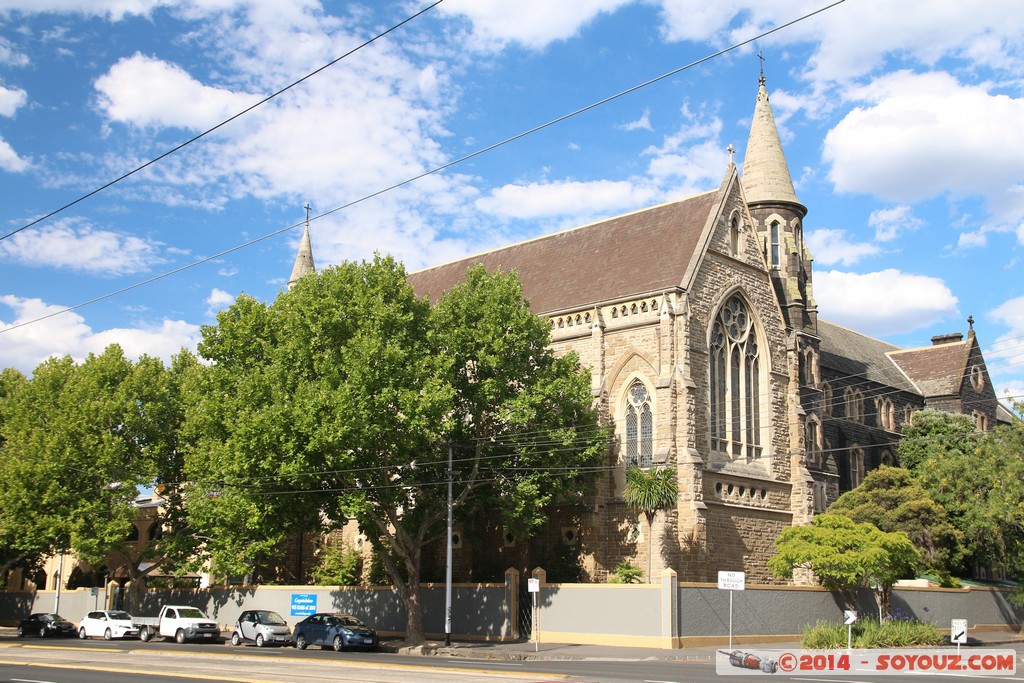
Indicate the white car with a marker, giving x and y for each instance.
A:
(109, 624)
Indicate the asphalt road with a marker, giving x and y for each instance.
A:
(95, 661)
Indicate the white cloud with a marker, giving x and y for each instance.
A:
(114, 9)
(920, 137)
(9, 159)
(889, 223)
(642, 123)
(855, 38)
(218, 300)
(530, 23)
(11, 99)
(887, 302)
(67, 334)
(563, 198)
(829, 247)
(144, 91)
(72, 244)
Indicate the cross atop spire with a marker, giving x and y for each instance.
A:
(760, 56)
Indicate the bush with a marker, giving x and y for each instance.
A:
(872, 635)
(627, 572)
(339, 566)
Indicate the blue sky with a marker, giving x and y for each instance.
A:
(901, 122)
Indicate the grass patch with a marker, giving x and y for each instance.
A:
(869, 634)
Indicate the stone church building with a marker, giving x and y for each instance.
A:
(698, 321)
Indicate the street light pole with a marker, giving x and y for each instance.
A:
(448, 561)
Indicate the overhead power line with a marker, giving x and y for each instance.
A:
(222, 123)
(415, 178)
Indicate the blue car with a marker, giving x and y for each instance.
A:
(340, 631)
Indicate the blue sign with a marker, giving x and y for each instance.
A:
(303, 604)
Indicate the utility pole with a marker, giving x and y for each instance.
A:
(448, 561)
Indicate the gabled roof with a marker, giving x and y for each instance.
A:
(640, 252)
(861, 357)
(937, 370)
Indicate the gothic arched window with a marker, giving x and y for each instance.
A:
(776, 254)
(639, 426)
(735, 377)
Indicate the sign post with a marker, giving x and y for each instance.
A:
(731, 581)
(849, 616)
(958, 633)
(533, 586)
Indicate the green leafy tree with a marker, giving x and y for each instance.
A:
(339, 565)
(935, 432)
(80, 440)
(845, 555)
(892, 499)
(648, 491)
(982, 491)
(339, 401)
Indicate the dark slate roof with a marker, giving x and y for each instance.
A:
(862, 357)
(937, 370)
(640, 252)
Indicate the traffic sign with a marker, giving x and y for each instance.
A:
(731, 581)
(958, 631)
(850, 616)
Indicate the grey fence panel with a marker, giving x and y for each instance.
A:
(600, 609)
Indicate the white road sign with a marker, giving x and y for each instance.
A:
(731, 581)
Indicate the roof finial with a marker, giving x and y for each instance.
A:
(732, 151)
(307, 207)
(760, 56)
(970, 321)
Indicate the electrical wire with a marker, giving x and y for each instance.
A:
(222, 123)
(430, 172)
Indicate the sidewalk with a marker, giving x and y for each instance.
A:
(556, 651)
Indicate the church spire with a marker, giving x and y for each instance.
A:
(304, 259)
(765, 172)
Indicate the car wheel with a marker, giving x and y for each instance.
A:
(300, 642)
(259, 640)
(21, 631)
(179, 637)
(107, 635)
(339, 644)
(145, 634)
(42, 631)
(236, 640)
(81, 633)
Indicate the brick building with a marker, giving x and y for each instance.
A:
(698, 321)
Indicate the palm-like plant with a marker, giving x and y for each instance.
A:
(648, 491)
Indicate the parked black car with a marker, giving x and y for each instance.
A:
(44, 625)
(340, 631)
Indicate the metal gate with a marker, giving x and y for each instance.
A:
(525, 620)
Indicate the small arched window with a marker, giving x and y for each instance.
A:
(734, 236)
(856, 466)
(639, 426)
(776, 253)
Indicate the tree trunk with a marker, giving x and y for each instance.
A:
(414, 634)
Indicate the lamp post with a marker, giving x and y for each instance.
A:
(448, 561)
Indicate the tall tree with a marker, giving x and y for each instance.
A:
(934, 432)
(845, 555)
(892, 499)
(982, 490)
(80, 440)
(649, 491)
(341, 399)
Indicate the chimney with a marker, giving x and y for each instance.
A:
(951, 338)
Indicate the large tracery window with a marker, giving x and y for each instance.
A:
(639, 426)
(735, 383)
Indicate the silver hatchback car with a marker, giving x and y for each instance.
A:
(262, 627)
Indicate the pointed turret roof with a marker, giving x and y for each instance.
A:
(303, 260)
(765, 172)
